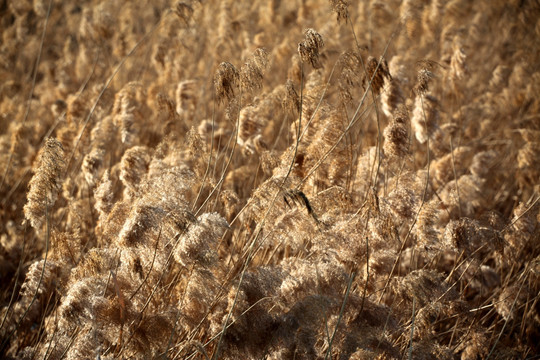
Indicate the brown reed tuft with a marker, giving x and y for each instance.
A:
(309, 49)
(425, 117)
(251, 73)
(350, 75)
(133, 169)
(375, 74)
(291, 101)
(184, 11)
(225, 81)
(340, 7)
(424, 76)
(46, 183)
(396, 135)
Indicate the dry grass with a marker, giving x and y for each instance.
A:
(270, 180)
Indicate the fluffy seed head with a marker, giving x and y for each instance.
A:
(310, 47)
(45, 183)
(396, 134)
(340, 7)
(376, 73)
(225, 81)
(251, 74)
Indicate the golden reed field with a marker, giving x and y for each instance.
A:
(302, 179)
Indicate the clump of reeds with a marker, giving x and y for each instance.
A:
(189, 181)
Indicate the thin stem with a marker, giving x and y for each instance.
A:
(412, 327)
(340, 317)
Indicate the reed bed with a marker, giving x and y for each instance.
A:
(270, 179)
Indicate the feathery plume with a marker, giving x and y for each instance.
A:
(376, 74)
(340, 7)
(291, 101)
(424, 76)
(425, 117)
(351, 73)
(40, 282)
(186, 98)
(198, 245)
(46, 182)
(225, 81)
(396, 135)
(184, 11)
(310, 48)
(91, 165)
(392, 96)
(458, 67)
(251, 73)
(134, 166)
(104, 195)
